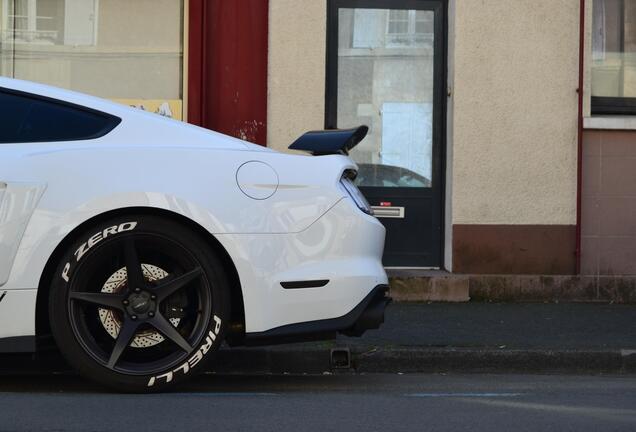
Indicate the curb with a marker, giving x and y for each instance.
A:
(317, 360)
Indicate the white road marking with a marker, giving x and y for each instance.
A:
(221, 394)
(463, 395)
(613, 414)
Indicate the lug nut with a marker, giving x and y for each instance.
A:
(153, 297)
(137, 290)
(125, 302)
(134, 317)
(151, 314)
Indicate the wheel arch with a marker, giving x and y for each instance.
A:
(236, 329)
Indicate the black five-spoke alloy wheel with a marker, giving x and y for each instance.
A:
(138, 303)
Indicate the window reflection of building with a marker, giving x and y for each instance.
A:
(614, 48)
(393, 28)
(33, 21)
(409, 28)
(107, 48)
(385, 80)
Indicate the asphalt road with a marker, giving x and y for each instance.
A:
(546, 326)
(328, 402)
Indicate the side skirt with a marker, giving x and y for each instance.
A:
(17, 344)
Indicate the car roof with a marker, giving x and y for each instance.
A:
(62, 94)
(157, 128)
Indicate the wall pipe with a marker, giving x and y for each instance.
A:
(579, 159)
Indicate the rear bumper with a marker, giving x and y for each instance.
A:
(367, 315)
(373, 314)
(279, 273)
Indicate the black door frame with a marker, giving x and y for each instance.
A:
(440, 7)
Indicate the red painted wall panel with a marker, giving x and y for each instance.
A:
(195, 61)
(233, 83)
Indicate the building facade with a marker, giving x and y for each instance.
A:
(502, 133)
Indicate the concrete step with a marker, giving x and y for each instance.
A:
(441, 286)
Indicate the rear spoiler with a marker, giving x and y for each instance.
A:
(334, 141)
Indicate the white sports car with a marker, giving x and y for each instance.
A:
(142, 243)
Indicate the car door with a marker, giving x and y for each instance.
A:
(29, 123)
(18, 200)
(19, 194)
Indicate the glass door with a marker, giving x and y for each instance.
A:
(386, 70)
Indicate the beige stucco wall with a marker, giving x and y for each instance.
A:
(296, 78)
(515, 111)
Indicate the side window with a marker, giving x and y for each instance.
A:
(31, 119)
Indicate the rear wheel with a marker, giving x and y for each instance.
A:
(139, 303)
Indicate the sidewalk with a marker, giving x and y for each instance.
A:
(446, 337)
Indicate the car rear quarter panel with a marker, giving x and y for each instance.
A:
(83, 181)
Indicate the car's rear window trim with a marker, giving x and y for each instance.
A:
(111, 123)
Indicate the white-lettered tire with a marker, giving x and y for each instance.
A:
(139, 303)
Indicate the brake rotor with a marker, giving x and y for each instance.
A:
(111, 320)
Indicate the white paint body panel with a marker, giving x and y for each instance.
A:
(257, 180)
(17, 203)
(308, 228)
(17, 313)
